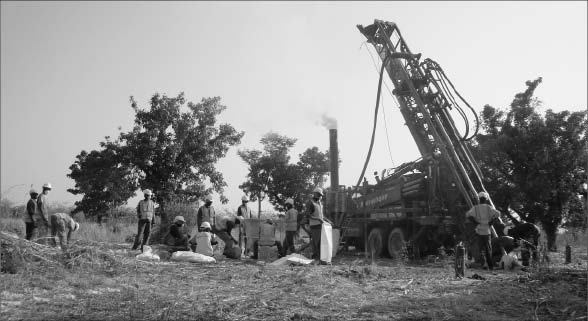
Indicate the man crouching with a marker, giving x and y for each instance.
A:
(60, 222)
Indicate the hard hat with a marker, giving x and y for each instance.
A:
(47, 185)
(208, 198)
(205, 225)
(245, 198)
(290, 201)
(483, 195)
(147, 192)
(179, 218)
(33, 191)
(76, 226)
(318, 190)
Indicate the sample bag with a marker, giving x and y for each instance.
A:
(326, 242)
(188, 256)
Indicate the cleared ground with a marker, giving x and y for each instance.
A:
(104, 282)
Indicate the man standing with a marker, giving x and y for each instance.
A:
(206, 213)
(483, 215)
(291, 221)
(145, 213)
(42, 215)
(244, 210)
(314, 211)
(29, 217)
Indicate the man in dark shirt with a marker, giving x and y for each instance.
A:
(176, 236)
(29, 217)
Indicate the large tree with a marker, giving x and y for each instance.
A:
(271, 175)
(174, 146)
(103, 178)
(533, 164)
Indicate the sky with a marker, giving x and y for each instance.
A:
(69, 68)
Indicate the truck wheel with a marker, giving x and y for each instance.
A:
(376, 242)
(396, 243)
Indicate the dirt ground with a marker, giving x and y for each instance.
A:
(111, 285)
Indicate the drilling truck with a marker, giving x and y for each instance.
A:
(419, 206)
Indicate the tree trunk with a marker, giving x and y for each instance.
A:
(551, 235)
(163, 221)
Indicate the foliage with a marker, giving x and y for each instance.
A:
(104, 178)
(533, 164)
(172, 150)
(272, 176)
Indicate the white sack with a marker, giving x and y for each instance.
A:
(326, 242)
(291, 259)
(188, 256)
(148, 256)
(509, 261)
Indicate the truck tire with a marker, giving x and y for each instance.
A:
(396, 243)
(376, 243)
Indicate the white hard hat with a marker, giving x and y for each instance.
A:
(179, 218)
(47, 185)
(483, 195)
(33, 191)
(318, 190)
(76, 226)
(245, 198)
(205, 225)
(147, 192)
(208, 198)
(290, 201)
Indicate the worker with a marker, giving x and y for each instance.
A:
(243, 213)
(314, 211)
(60, 222)
(244, 210)
(42, 215)
(146, 214)
(291, 220)
(206, 213)
(484, 215)
(176, 236)
(29, 217)
(204, 240)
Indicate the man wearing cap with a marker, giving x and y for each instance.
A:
(176, 236)
(42, 215)
(204, 240)
(243, 213)
(244, 210)
(29, 217)
(314, 211)
(60, 222)
(291, 220)
(145, 213)
(206, 213)
(483, 215)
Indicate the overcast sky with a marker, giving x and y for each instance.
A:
(68, 69)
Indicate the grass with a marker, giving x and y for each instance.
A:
(97, 279)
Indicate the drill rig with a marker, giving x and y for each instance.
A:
(418, 206)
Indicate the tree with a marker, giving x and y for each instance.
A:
(175, 151)
(272, 176)
(533, 164)
(103, 178)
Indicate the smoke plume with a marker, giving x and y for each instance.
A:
(328, 122)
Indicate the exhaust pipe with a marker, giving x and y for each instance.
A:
(334, 159)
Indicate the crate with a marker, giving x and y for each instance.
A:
(267, 253)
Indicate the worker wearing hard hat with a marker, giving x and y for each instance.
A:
(176, 236)
(29, 217)
(314, 211)
(291, 220)
(244, 210)
(146, 215)
(206, 213)
(60, 222)
(204, 240)
(483, 215)
(42, 215)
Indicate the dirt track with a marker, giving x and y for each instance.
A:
(248, 290)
